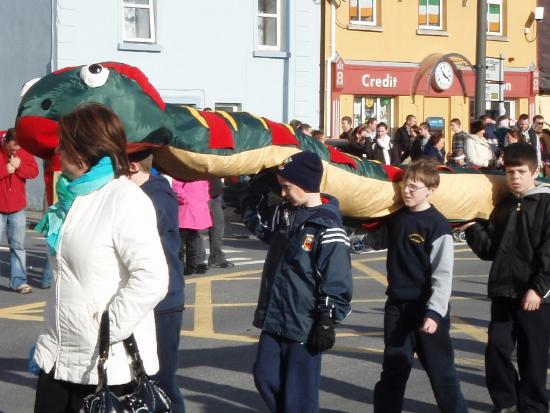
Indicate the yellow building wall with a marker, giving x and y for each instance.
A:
(522, 106)
(543, 107)
(399, 41)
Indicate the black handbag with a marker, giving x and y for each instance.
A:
(146, 397)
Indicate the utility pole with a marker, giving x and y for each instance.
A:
(481, 54)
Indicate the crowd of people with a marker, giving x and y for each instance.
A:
(115, 246)
(479, 147)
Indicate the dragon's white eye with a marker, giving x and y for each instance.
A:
(94, 75)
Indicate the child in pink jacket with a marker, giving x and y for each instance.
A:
(194, 216)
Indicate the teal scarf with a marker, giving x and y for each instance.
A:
(67, 191)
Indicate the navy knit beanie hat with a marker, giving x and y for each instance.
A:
(304, 169)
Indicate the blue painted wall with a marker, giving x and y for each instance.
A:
(207, 52)
(26, 46)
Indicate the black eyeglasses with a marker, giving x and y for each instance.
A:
(412, 188)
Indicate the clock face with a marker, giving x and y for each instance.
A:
(443, 76)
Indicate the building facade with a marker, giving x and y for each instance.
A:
(388, 59)
(260, 56)
(543, 39)
(253, 55)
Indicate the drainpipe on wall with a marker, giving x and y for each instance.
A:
(53, 53)
(328, 70)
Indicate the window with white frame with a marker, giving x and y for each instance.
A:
(139, 21)
(229, 107)
(430, 14)
(363, 12)
(269, 24)
(494, 17)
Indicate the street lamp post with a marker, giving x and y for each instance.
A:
(481, 54)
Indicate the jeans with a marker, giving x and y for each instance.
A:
(15, 225)
(47, 274)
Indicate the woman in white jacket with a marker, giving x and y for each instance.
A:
(477, 150)
(108, 256)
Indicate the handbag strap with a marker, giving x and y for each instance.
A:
(103, 348)
(130, 346)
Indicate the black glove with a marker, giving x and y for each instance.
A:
(323, 336)
(265, 182)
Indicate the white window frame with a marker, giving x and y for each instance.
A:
(428, 26)
(151, 8)
(278, 16)
(236, 107)
(374, 14)
(501, 17)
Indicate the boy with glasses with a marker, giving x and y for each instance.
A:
(416, 314)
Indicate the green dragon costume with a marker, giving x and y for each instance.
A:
(191, 144)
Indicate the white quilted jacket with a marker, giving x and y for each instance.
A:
(110, 256)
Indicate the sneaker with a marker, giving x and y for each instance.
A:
(201, 268)
(226, 264)
(189, 270)
(23, 289)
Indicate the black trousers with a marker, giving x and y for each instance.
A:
(529, 331)
(192, 251)
(56, 396)
(435, 352)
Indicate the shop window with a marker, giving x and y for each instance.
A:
(363, 12)
(494, 17)
(430, 14)
(139, 21)
(366, 107)
(269, 24)
(229, 107)
(492, 109)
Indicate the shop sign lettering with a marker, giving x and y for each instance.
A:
(388, 81)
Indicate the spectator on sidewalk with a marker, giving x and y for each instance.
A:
(359, 143)
(217, 258)
(346, 128)
(17, 166)
(383, 150)
(306, 129)
(194, 216)
(418, 144)
(477, 150)
(434, 148)
(168, 313)
(403, 137)
(458, 141)
(319, 136)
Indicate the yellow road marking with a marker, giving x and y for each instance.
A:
(375, 275)
(461, 326)
(25, 312)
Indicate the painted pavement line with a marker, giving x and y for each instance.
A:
(479, 334)
(250, 262)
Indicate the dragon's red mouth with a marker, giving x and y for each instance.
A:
(38, 135)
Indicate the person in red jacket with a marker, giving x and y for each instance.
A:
(16, 166)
